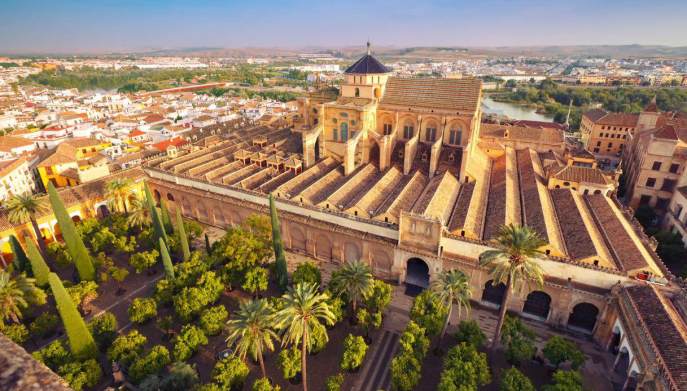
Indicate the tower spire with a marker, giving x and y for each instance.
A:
(368, 47)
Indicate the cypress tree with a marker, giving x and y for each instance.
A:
(38, 265)
(183, 239)
(279, 255)
(155, 216)
(166, 219)
(81, 341)
(208, 248)
(166, 260)
(21, 262)
(78, 251)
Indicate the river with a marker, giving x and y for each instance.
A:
(512, 111)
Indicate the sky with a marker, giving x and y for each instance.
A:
(99, 26)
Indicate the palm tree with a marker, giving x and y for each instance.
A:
(451, 287)
(305, 309)
(23, 208)
(119, 190)
(353, 279)
(513, 264)
(14, 295)
(140, 214)
(251, 329)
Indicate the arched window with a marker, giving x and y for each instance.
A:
(455, 136)
(430, 134)
(387, 129)
(408, 131)
(357, 92)
(344, 132)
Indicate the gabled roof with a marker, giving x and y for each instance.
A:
(449, 94)
(367, 64)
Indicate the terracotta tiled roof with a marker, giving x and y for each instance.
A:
(595, 114)
(577, 239)
(628, 257)
(619, 119)
(450, 94)
(82, 142)
(546, 135)
(8, 166)
(667, 132)
(7, 143)
(662, 323)
(539, 124)
(64, 153)
(580, 174)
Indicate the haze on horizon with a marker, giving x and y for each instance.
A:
(74, 26)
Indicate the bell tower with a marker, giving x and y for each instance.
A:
(366, 78)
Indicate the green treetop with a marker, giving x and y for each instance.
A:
(279, 255)
(80, 339)
(183, 239)
(75, 246)
(166, 260)
(38, 265)
(21, 261)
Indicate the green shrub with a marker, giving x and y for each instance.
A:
(464, 368)
(290, 362)
(181, 376)
(17, 332)
(255, 280)
(470, 332)
(80, 339)
(565, 381)
(559, 350)
(54, 355)
(378, 297)
(188, 342)
(306, 272)
(104, 330)
(142, 309)
(58, 253)
(127, 348)
(334, 382)
(518, 340)
(81, 374)
(263, 384)
(355, 349)
(405, 372)
(143, 261)
(164, 291)
(429, 312)
(513, 380)
(212, 319)
(152, 363)
(230, 373)
(83, 293)
(44, 325)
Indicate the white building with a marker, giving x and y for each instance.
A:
(15, 178)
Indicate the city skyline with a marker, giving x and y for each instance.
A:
(127, 26)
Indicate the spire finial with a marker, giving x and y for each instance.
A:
(368, 47)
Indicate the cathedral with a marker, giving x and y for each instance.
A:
(402, 174)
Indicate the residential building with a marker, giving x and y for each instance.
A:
(73, 162)
(15, 178)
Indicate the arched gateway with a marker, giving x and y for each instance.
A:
(417, 273)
